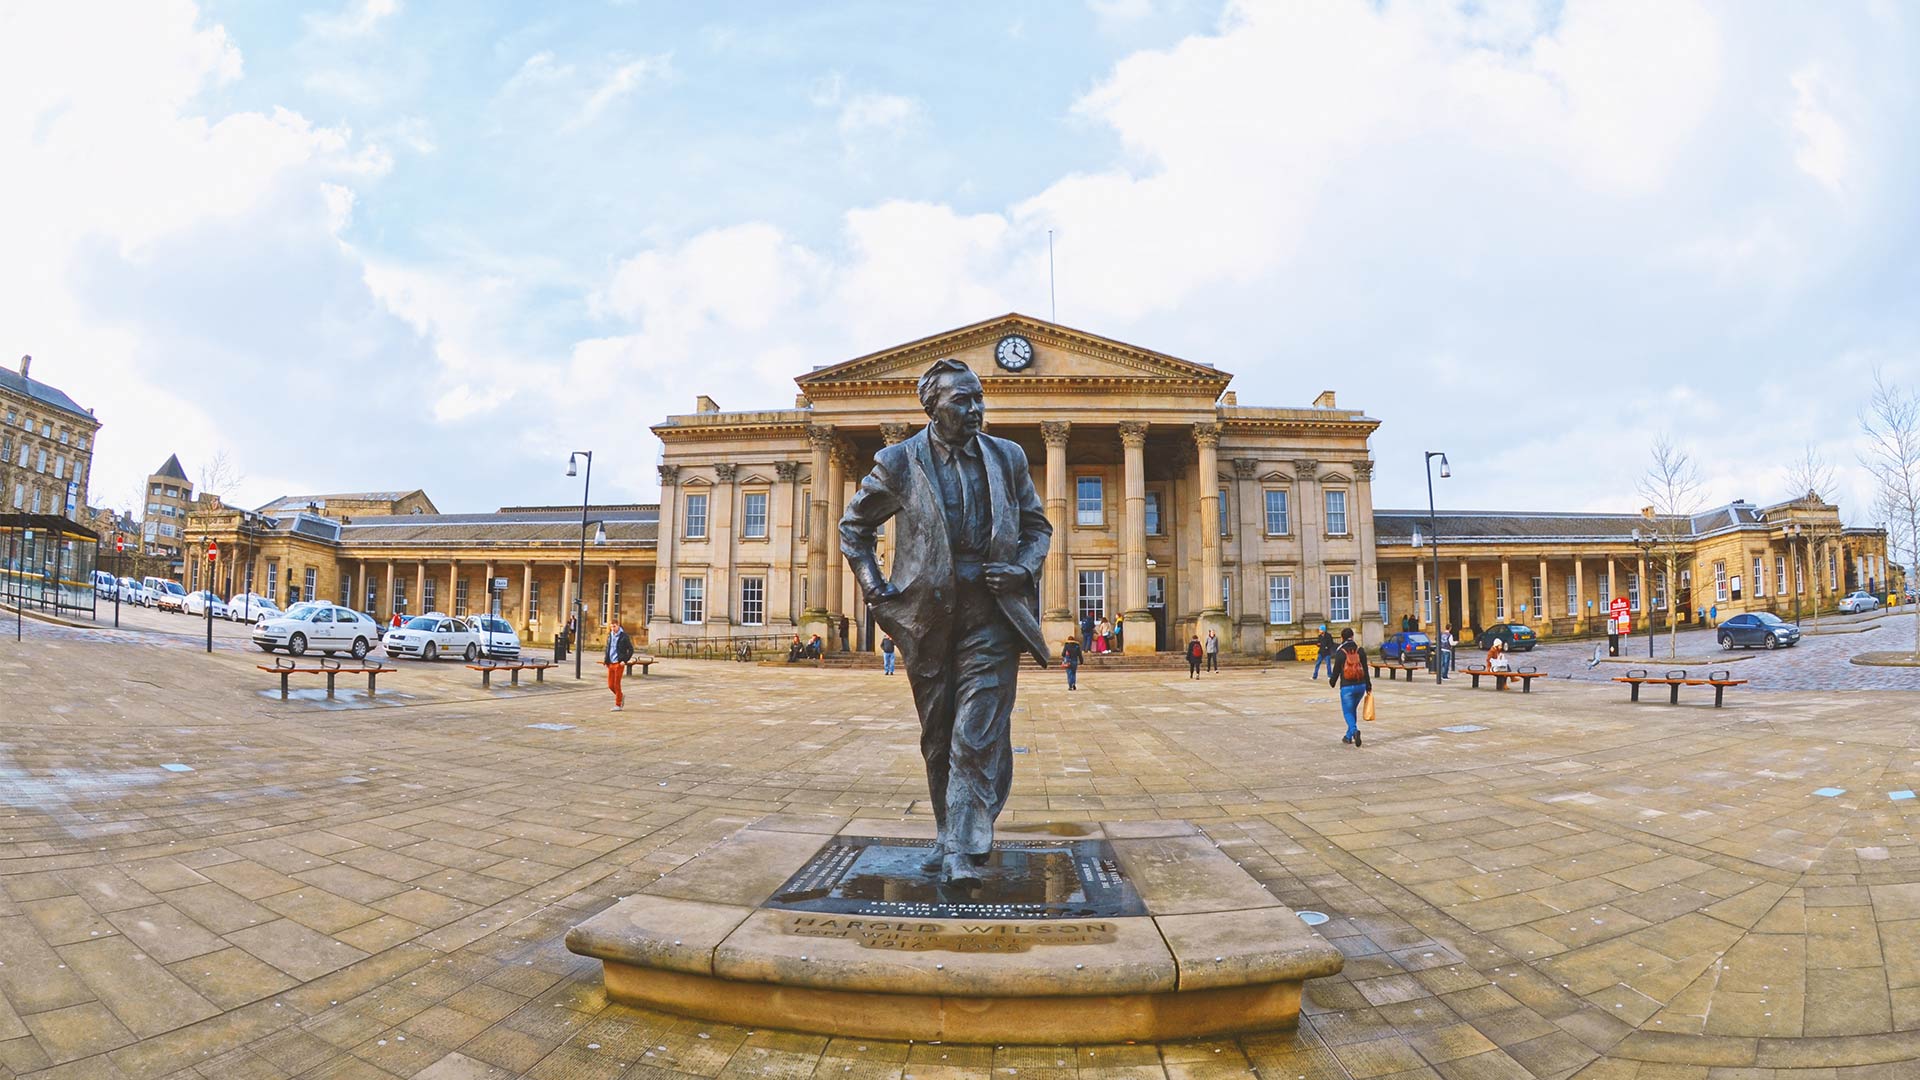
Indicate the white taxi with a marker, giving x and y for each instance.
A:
(312, 626)
(431, 636)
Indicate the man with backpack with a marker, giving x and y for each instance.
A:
(1324, 655)
(1353, 680)
(1195, 653)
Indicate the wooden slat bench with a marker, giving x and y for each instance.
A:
(331, 668)
(1673, 680)
(641, 661)
(1393, 668)
(1525, 675)
(486, 672)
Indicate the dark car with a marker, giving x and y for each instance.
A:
(1758, 628)
(1407, 645)
(377, 624)
(1517, 637)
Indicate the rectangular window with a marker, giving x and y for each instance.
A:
(1093, 594)
(1277, 524)
(753, 601)
(1336, 513)
(373, 594)
(806, 511)
(606, 598)
(311, 579)
(400, 594)
(1226, 592)
(273, 582)
(346, 587)
(1660, 590)
(1780, 574)
(1426, 601)
(1735, 585)
(460, 596)
(616, 598)
(1280, 599)
(696, 517)
(693, 600)
(59, 466)
(1153, 514)
(1225, 528)
(533, 601)
(753, 516)
(1383, 599)
(1090, 501)
(429, 596)
(1573, 599)
(193, 584)
(1499, 599)
(1538, 594)
(19, 495)
(1633, 590)
(1605, 593)
(41, 460)
(1759, 577)
(1833, 568)
(1340, 597)
(1720, 581)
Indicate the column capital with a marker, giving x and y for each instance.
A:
(1206, 435)
(1054, 432)
(891, 433)
(725, 472)
(842, 454)
(1243, 467)
(788, 471)
(669, 475)
(820, 436)
(1306, 468)
(1363, 470)
(1133, 434)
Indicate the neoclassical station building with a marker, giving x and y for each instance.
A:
(1175, 509)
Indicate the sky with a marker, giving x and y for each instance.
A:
(387, 244)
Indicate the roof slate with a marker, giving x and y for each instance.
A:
(29, 387)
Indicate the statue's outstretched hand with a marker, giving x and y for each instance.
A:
(1004, 578)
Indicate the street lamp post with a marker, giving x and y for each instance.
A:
(206, 597)
(580, 582)
(119, 558)
(1433, 527)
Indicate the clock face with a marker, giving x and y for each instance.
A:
(1013, 352)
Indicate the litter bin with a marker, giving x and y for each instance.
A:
(560, 644)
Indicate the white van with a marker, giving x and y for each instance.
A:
(168, 594)
(105, 585)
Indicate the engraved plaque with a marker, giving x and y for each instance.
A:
(1022, 879)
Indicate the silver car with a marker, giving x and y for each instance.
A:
(1859, 601)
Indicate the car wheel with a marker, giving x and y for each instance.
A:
(430, 653)
(1772, 643)
(473, 652)
(1726, 642)
(297, 645)
(359, 648)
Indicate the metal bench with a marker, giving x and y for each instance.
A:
(1393, 668)
(331, 668)
(641, 661)
(1526, 676)
(1673, 680)
(486, 672)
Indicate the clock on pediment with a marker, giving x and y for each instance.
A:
(1013, 352)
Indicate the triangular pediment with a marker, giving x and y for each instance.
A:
(1060, 353)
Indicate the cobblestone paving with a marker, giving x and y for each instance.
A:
(199, 880)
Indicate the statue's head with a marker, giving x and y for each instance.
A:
(954, 400)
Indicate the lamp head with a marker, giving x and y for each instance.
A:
(1444, 470)
(571, 471)
(1636, 534)
(600, 532)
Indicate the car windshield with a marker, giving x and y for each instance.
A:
(1520, 628)
(301, 610)
(172, 587)
(422, 622)
(492, 626)
(1769, 618)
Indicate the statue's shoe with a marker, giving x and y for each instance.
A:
(959, 870)
(934, 862)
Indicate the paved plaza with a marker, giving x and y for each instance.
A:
(198, 879)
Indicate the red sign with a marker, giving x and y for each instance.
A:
(213, 550)
(1619, 607)
(119, 543)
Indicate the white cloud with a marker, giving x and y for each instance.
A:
(868, 114)
(358, 19)
(1823, 149)
(620, 83)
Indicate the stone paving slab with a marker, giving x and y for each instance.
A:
(1579, 888)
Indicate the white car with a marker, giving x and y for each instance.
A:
(432, 636)
(132, 592)
(197, 603)
(497, 639)
(317, 627)
(1859, 601)
(168, 595)
(252, 607)
(105, 585)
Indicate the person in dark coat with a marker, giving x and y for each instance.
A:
(1195, 653)
(1353, 679)
(1086, 632)
(619, 651)
(886, 653)
(1070, 655)
(968, 547)
(1325, 654)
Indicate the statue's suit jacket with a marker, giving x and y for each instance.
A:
(902, 486)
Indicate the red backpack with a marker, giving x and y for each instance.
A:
(1352, 670)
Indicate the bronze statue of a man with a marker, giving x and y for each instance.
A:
(963, 602)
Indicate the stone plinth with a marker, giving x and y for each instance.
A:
(1081, 933)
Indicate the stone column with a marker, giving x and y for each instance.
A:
(1466, 601)
(1133, 536)
(721, 536)
(666, 547)
(613, 573)
(1206, 437)
(1546, 596)
(1420, 593)
(1579, 597)
(390, 608)
(1506, 590)
(566, 601)
(820, 532)
(420, 588)
(838, 465)
(526, 597)
(1311, 525)
(781, 587)
(1366, 565)
(486, 589)
(1646, 600)
(1613, 588)
(1248, 611)
(1058, 602)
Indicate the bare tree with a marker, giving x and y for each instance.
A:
(1671, 487)
(1809, 474)
(219, 476)
(1811, 478)
(1892, 427)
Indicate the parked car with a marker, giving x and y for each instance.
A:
(197, 603)
(377, 624)
(1758, 628)
(432, 636)
(1859, 601)
(132, 592)
(497, 639)
(105, 585)
(168, 594)
(252, 607)
(1518, 637)
(324, 627)
(1407, 646)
